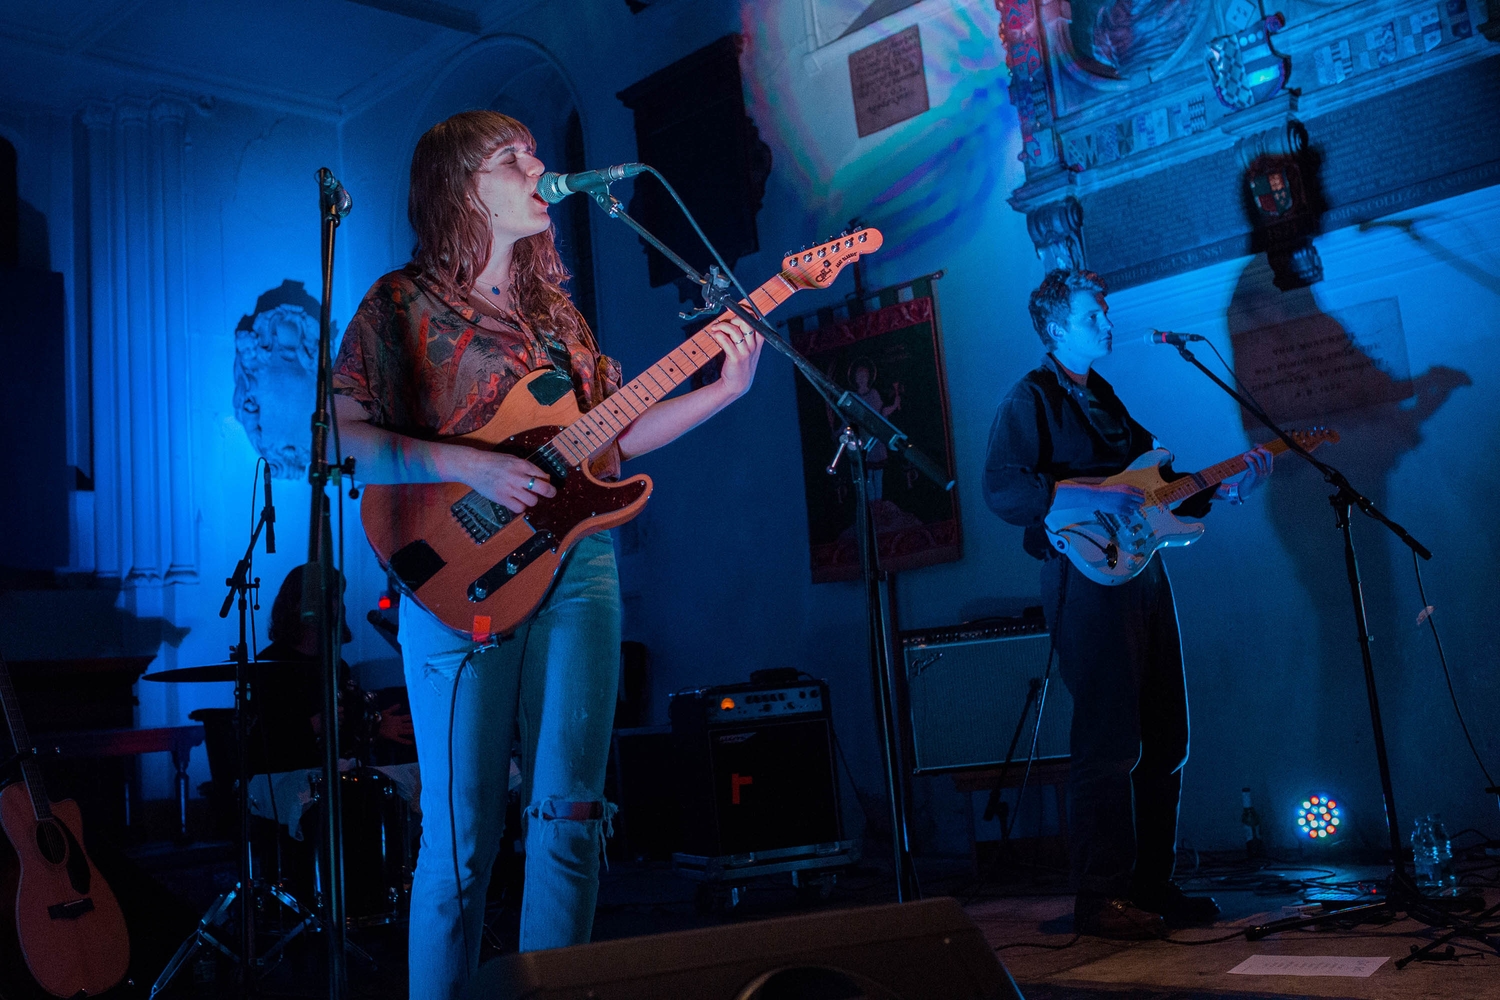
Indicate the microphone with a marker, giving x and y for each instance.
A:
(270, 514)
(553, 188)
(333, 194)
(1168, 337)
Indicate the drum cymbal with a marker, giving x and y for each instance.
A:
(226, 671)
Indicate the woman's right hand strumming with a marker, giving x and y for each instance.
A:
(383, 456)
(512, 482)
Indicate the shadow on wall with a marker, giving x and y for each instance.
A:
(41, 612)
(1348, 371)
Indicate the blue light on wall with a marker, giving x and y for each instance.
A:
(1318, 817)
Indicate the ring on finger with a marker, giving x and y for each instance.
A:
(531, 484)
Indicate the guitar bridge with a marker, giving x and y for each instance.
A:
(71, 911)
(506, 569)
(480, 517)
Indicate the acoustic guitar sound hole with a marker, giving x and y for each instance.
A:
(50, 841)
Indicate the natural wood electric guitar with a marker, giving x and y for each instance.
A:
(69, 926)
(482, 570)
(1111, 549)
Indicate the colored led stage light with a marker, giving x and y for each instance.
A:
(1318, 817)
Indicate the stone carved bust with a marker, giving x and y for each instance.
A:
(275, 373)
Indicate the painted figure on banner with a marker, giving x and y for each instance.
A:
(889, 357)
(861, 380)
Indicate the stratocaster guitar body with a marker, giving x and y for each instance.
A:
(1112, 548)
(69, 924)
(483, 571)
(434, 536)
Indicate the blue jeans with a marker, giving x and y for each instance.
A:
(554, 683)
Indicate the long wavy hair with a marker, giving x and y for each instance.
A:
(453, 231)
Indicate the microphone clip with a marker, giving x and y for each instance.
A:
(713, 290)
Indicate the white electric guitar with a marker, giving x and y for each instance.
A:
(1112, 548)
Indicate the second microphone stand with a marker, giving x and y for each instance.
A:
(863, 428)
(1402, 894)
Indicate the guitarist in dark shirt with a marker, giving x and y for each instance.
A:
(1118, 647)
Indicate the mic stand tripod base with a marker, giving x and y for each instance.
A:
(218, 914)
(1402, 896)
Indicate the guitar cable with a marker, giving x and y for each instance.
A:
(458, 885)
(1429, 614)
(1010, 821)
(744, 295)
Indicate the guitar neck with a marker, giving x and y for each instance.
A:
(590, 433)
(1203, 479)
(22, 739)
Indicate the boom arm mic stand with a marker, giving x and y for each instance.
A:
(1402, 894)
(863, 428)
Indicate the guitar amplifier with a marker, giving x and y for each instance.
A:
(756, 766)
(967, 686)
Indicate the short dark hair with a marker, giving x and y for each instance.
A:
(1053, 298)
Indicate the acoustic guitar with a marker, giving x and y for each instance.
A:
(1111, 549)
(69, 926)
(483, 570)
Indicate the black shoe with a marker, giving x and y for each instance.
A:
(1179, 909)
(1118, 919)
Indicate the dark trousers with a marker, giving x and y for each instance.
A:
(1120, 656)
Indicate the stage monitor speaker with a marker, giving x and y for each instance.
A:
(928, 950)
(967, 686)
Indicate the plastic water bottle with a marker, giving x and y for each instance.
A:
(1432, 853)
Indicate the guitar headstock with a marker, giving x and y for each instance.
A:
(1314, 436)
(816, 267)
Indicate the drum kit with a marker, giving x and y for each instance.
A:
(379, 805)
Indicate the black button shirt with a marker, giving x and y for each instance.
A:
(1050, 428)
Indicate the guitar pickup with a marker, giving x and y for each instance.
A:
(71, 911)
(506, 569)
(551, 462)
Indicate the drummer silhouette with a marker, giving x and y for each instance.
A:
(288, 704)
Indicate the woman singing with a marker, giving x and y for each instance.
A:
(430, 354)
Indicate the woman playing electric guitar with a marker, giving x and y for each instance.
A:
(431, 353)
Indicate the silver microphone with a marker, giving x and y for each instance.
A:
(1168, 337)
(553, 188)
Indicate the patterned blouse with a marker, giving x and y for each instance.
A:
(429, 367)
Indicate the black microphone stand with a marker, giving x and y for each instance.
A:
(863, 428)
(1402, 894)
(250, 895)
(318, 608)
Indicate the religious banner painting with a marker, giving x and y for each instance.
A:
(891, 356)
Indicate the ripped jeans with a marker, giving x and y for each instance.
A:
(554, 683)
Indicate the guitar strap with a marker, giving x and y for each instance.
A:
(561, 359)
